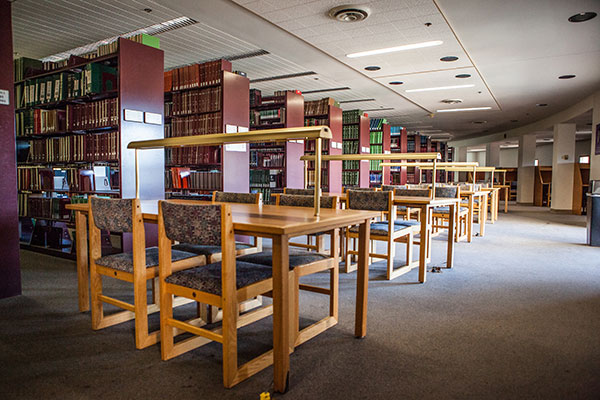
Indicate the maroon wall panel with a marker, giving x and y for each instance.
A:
(403, 149)
(387, 148)
(294, 167)
(10, 271)
(335, 167)
(236, 111)
(363, 142)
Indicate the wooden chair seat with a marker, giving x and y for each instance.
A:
(446, 210)
(207, 278)
(124, 261)
(381, 228)
(297, 258)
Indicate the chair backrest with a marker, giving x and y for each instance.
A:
(192, 223)
(391, 188)
(446, 192)
(306, 201)
(373, 201)
(113, 215)
(302, 192)
(234, 197)
(465, 187)
(412, 192)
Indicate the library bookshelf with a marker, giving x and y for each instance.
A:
(380, 143)
(73, 125)
(276, 165)
(355, 140)
(206, 98)
(399, 144)
(325, 112)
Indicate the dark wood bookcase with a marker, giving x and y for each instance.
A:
(274, 166)
(355, 137)
(217, 100)
(399, 144)
(380, 143)
(331, 180)
(93, 140)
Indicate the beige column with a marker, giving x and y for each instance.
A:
(595, 157)
(492, 154)
(526, 169)
(563, 158)
(461, 155)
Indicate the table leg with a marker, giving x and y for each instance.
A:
(506, 196)
(451, 228)
(362, 279)
(471, 218)
(281, 314)
(81, 239)
(423, 243)
(482, 214)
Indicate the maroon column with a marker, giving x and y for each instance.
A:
(10, 270)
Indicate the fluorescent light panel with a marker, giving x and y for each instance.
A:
(394, 49)
(464, 109)
(439, 88)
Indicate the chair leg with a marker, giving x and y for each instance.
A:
(97, 308)
(409, 248)
(166, 331)
(295, 307)
(155, 291)
(391, 253)
(320, 243)
(140, 294)
(230, 365)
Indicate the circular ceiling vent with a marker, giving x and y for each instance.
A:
(451, 101)
(349, 13)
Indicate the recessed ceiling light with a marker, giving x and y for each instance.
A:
(148, 10)
(373, 68)
(566, 77)
(396, 83)
(463, 76)
(439, 88)
(451, 101)
(464, 109)
(541, 104)
(449, 58)
(394, 49)
(582, 17)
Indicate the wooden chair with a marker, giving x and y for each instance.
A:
(441, 215)
(223, 284)
(308, 201)
(213, 253)
(408, 213)
(137, 267)
(304, 263)
(390, 231)
(301, 192)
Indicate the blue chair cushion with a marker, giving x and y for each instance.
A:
(446, 210)
(296, 258)
(124, 261)
(207, 278)
(206, 250)
(381, 228)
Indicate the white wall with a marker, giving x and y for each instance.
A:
(543, 152)
(582, 148)
(476, 156)
(509, 158)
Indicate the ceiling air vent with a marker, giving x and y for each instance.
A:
(349, 13)
(451, 101)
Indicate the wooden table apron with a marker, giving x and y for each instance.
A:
(471, 196)
(275, 222)
(426, 205)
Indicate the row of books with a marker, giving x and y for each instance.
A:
(195, 125)
(36, 206)
(195, 155)
(319, 107)
(266, 158)
(113, 47)
(350, 147)
(255, 97)
(196, 101)
(351, 164)
(350, 178)
(72, 179)
(196, 75)
(324, 179)
(377, 123)
(270, 178)
(94, 78)
(310, 146)
(375, 165)
(396, 130)
(351, 116)
(266, 193)
(375, 179)
(37, 121)
(316, 121)
(265, 117)
(184, 178)
(350, 132)
(96, 114)
(24, 67)
(376, 137)
(75, 148)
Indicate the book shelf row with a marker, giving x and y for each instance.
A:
(186, 178)
(195, 101)
(87, 178)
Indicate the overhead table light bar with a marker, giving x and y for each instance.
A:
(316, 133)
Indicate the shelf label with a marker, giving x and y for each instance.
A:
(133, 115)
(4, 97)
(152, 118)
(231, 129)
(241, 147)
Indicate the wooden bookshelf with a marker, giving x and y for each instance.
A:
(380, 143)
(274, 166)
(398, 144)
(542, 186)
(424, 145)
(355, 140)
(581, 183)
(325, 112)
(84, 147)
(203, 99)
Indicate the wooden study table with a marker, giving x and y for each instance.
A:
(494, 202)
(506, 195)
(481, 196)
(279, 224)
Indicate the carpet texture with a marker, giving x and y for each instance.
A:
(517, 318)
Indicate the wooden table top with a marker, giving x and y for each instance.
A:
(268, 219)
(438, 201)
(477, 193)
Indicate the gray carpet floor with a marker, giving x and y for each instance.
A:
(517, 318)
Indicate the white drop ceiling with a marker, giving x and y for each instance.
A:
(514, 50)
